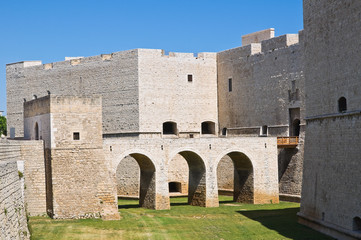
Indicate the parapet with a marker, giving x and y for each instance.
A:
(26, 63)
(258, 37)
(154, 53)
(279, 42)
(244, 51)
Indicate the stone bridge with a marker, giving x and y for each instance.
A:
(254, 158)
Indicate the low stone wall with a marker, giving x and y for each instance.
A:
(13, 224)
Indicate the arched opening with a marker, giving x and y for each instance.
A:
(296, 127)
(175, 187)
(169, 128)
(196, 178)
(342, 104)
(128, 177)
(146, 179)
(36, 131)
(178, 172)
(243, 182)
(208, 128)
(356, 226)
(224, 131)
(225, 176)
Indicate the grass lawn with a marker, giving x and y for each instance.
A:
(229, 221)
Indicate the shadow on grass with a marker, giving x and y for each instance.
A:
(179, 204)
(284, 221)
(225, 201)
(127, 206)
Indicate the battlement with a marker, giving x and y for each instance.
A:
(73, 61)
(265, 46)
(279, 42)
(258, 37)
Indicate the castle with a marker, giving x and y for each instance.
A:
(146, 123)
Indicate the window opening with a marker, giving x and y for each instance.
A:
(208, 128)
(190, 78)
(356, 224)
(264, 130)
(230, 85)
(175, 187)
(169, 128)
(342, 104)
(224, 131)
(76, 136)
(36, 131)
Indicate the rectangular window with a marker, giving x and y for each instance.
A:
(230, 85)
(76, 136)
(190, 78)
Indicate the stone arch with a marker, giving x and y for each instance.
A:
(243, 186)
(147, 185)
(197, 177)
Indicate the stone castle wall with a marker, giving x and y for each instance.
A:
(113, 76)
(264, 76)
(78, 181)
(13, 223)
(166, 93)
(331, 183)
(267, 90)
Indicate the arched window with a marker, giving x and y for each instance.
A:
(342, 104)
(296, 127)
(356, 224)
(169, 128)
(224, 131)
(208, 128)
(36, 131)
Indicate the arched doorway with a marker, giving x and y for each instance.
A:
(243, 182)
(146, 178)
(196, 178)
(296, 127)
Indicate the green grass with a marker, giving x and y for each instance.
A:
(229, 221)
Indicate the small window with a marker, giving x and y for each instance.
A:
(230, 85)
(36, 130)
(356, 224)
(175, 187)
(169, 128)
(208, 128)
(190, 78)
(224, 131)
(264, 130)
(76, 136)
(342, 104)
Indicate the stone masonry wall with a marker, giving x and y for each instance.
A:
(331, 183)
(166, 94)
(79, 184)
(29, 154)
(264, 75)
(113, 76)
(13, 223)
(267, 90)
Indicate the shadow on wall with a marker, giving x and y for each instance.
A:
(284, 222)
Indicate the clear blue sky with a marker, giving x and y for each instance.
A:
(50, 30)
